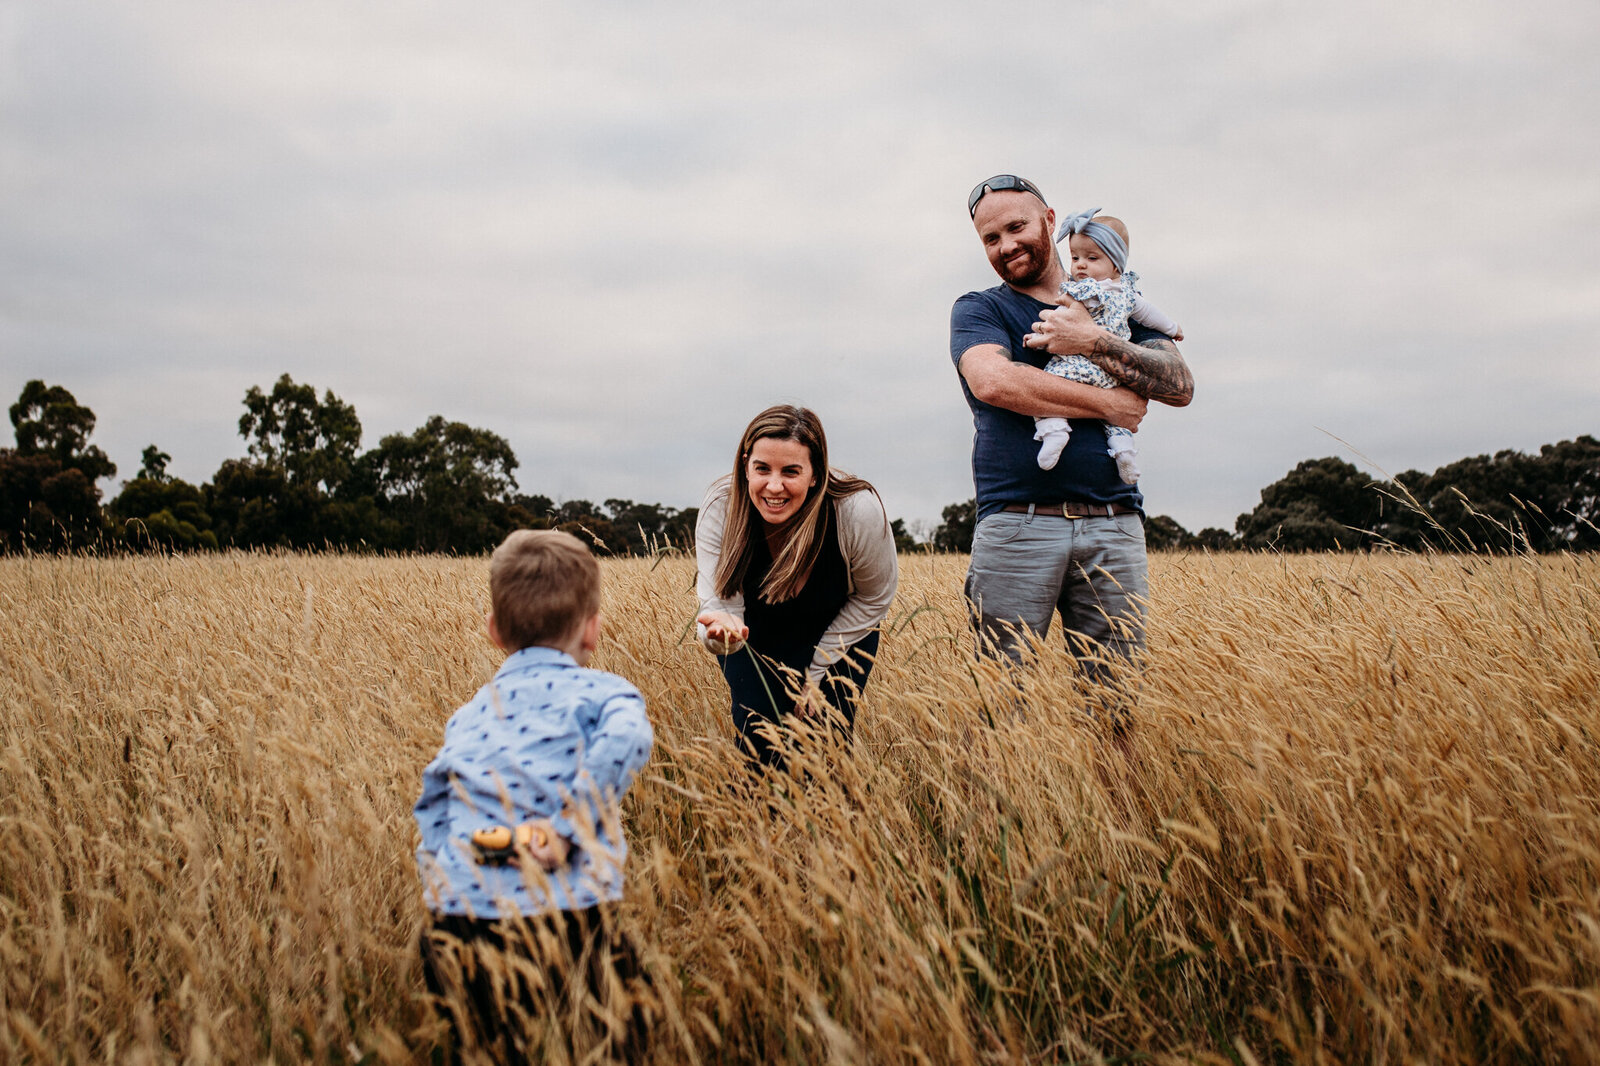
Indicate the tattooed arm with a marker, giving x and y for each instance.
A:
(996, 380)
(1154, 369)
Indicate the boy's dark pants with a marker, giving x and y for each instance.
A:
(496, 979)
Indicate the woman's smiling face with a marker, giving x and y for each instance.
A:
(780, 475)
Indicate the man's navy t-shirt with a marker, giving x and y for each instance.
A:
(1005, 457)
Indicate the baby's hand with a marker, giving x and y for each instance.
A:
(1177, 334)
(723, 632)
(543, 844)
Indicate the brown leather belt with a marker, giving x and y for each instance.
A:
(1071, 509)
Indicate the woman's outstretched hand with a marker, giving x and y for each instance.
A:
(723, 631)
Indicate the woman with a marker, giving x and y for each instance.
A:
(797, 569)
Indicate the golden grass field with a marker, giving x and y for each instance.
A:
(1360, 821)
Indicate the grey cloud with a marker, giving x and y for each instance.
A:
(611, 233)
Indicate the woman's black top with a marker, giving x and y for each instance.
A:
(789, 631)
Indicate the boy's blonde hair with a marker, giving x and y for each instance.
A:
(543, 585)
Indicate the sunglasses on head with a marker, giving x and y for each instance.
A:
(1000, 183)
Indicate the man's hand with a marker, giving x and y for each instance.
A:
(1124, 408)
(723, 631)
(1065, 330)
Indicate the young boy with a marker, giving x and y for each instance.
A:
(522, 849)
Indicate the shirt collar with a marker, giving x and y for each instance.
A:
(531, 658)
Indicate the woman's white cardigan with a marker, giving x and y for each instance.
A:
(866, 543)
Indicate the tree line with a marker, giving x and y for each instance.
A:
(1507, 502)
(305, 484)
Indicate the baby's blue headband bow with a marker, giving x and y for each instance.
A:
(1109, 240)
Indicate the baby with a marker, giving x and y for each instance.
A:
(1096, 257)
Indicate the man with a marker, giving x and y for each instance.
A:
(1071, 537)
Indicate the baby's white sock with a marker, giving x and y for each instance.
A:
(1127, 465)
(1051, 445)
(1053, 434)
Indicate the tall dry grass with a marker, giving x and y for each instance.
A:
(1358, 823)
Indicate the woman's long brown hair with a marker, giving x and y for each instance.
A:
(794, 562)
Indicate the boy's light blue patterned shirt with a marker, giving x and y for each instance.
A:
(543, 732)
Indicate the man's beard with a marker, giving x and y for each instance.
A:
(1041, 254)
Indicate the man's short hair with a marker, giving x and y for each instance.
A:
(543, 585)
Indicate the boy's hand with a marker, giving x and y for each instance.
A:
(543, 844)
(723, 631)
(498, 845)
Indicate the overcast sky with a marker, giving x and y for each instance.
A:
(611, 232)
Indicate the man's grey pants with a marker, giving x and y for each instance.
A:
(1025, 566)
